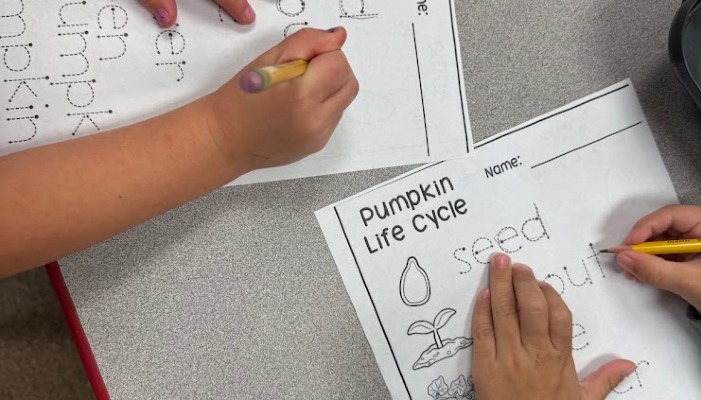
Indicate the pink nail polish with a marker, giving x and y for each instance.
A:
(162, 16)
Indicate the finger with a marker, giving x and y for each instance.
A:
(680, 219)
(532, 307)
(165, 11)
(344, 97)
(304, 44)
(326, 75)
(677, 277)
(503, 303)
(483, 328)
(308, 43)
(601, 382)
(240, 10)
(632, 277)
(559, 319)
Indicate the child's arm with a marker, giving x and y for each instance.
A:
(525, 352)
(61, 198)
(681, 274)
(165, 11)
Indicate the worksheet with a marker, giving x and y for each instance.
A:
(72, 68)
(413, 252)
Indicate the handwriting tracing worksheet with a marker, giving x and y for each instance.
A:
(413, 252)
(72, 68)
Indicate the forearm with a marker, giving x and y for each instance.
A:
(61, 198)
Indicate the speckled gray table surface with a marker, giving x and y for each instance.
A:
(236, 296)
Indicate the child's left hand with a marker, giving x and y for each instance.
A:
(522, 334)
(165, 11)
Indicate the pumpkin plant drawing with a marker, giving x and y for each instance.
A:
(459, 389)
(441, 348)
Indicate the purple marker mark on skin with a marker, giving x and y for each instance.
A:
(251, 82)
(162, 16)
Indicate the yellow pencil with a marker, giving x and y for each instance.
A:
(263, 78)
(679, 246)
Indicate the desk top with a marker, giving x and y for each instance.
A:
(236, 295)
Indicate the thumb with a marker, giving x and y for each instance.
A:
(165, 11)
(601, 382)
(656, 271)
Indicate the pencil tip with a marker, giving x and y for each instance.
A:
(604, 251)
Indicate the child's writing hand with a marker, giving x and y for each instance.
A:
(682, 275)
(165, 11)
(522, 334)
(290, 120)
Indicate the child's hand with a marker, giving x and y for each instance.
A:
(682, 275)
(293, 119)
(522, 334)
(166, 11)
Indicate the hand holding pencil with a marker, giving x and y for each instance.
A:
(285, 104)
(679, 226)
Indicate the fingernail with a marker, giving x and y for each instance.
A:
(485, 293)
(501, 261)
(631, 369)
(520, 267)
(626, 262)
(332, 30)
(162, 16)
(249, 14)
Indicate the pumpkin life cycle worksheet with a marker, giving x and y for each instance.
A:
(413, 252)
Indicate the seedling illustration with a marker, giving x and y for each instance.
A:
(442, 348)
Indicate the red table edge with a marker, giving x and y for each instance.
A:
(81, 340)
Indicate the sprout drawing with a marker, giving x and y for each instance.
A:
(442, 348)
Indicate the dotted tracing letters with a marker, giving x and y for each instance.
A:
(12, 24)
(632, 381)
(354, 9)
(171, 43)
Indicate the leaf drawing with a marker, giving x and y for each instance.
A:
(437, 388)
(420, 328)
(443, 317)
(458, 387)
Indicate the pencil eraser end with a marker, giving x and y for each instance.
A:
(251, 82)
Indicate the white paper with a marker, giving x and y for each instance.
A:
(551, 191)
(72, 68)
